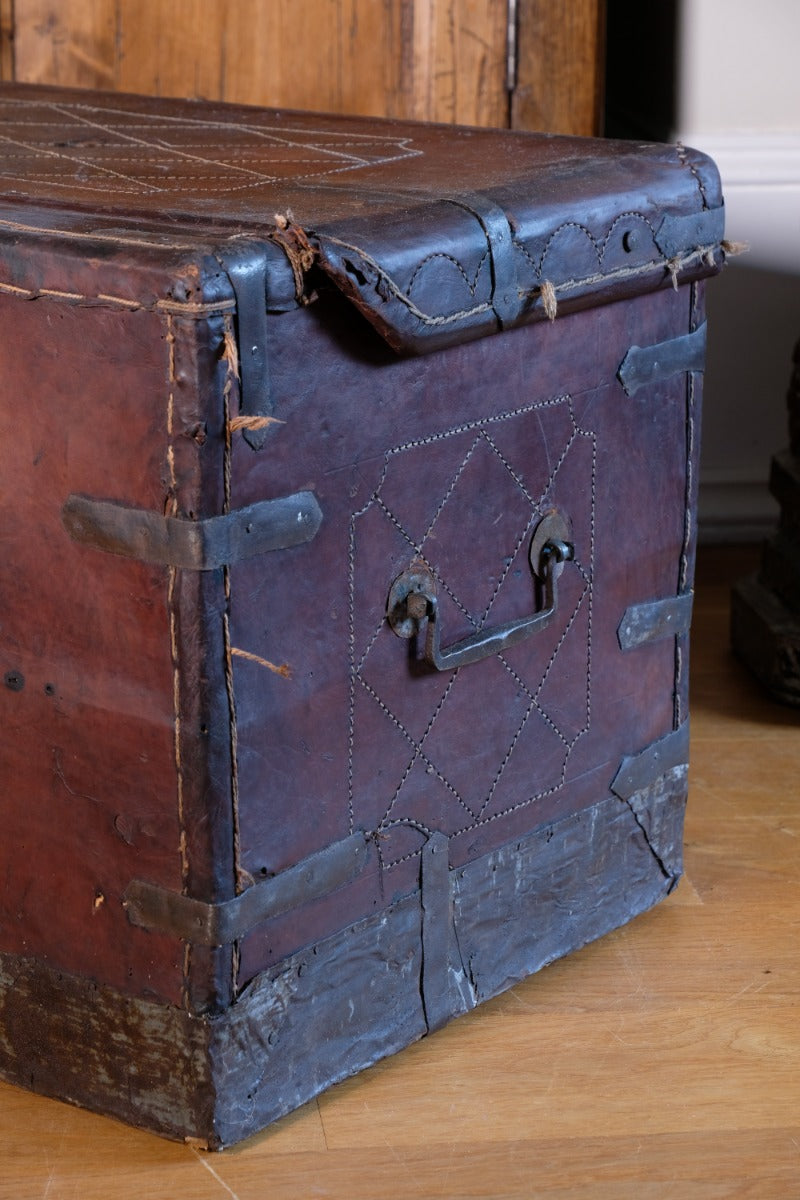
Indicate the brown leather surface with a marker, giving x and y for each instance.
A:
(151, 738)
(452, 458)
(222, 164)
(115, 754)
(436, 234)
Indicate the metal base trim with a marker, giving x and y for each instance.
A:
(335, 1008)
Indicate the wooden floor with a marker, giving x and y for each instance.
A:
(661, 1062)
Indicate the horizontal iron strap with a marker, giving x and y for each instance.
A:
(655, 619)
(678, 234)
(643, 365)
(202, 924)
(200, 545)
(638, 771)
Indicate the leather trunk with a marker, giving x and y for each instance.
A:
(348, 538)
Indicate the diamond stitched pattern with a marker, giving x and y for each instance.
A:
(453, 750)
(95, 149)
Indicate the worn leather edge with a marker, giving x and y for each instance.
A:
(376, 286)
(200, 545)
(654, 620)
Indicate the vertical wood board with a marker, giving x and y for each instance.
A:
(560, 54)
(440, 60)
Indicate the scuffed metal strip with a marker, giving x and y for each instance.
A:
(505, 298)
(644, 365)
(195, 921)
(246, 267)
(639, 771)
(654, 620)
(200, 545)
(678, 234)
(653, 810)
(437, 920)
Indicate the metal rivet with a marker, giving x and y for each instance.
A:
(629, 240)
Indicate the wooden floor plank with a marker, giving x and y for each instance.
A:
(661, 1062)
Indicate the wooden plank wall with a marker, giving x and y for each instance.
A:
(437, 60)
(561, 53)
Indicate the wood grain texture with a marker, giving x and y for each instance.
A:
(559, 84)
(662, 1060)
(423, 59)
(6, 39)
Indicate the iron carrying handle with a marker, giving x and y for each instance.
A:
(413, 600)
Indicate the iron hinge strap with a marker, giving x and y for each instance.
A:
(156, 908)
(202, 545)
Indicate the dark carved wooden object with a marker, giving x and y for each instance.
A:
(765, 607)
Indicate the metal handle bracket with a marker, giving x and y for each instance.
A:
(413, 601)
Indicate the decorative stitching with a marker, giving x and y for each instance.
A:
(600, 245)
(419, 753)
(465, 428)
(172, 307)
(171, 509)
(683, 158)
(545, 716)
(418, 552)
(509, 468)
(590, 580)
(351, 655)
(96, 235)
(473, 287)
(504, 573)
(671, 266)
(324, 145)
(450, 490)
(480, 426)
(230, 356)
(567, 628)
(400, 295)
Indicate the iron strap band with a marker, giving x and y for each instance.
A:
(437, 924)
(644, 365)
(678, 234)
(200, 545)
(654, 620)
(246, 266)
(638, 771)
(493, 221)
(156, 908)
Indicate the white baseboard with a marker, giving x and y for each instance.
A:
(747, 376)
(760, 173)
(735, 511)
